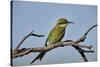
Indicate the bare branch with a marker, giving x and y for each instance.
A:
(30, 34)
(25, 51)
(37, 35)
(81, 39)
(90, 29)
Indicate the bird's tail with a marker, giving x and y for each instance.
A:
(40, 56)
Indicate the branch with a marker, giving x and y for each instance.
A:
(30, 34)
(25, 51)
(82, 39)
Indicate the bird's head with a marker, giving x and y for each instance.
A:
(63, 22)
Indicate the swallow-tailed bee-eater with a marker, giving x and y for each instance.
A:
(55, 35)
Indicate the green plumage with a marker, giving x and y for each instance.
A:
(55, 35)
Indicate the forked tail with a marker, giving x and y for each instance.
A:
(40, 56)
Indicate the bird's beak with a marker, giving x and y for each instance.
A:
(70, 22)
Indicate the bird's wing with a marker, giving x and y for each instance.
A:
(55, 37)
(60, 37)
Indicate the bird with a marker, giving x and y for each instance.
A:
(55, 35)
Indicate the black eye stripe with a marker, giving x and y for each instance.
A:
(61, 23)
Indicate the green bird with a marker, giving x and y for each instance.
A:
(55, 35)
